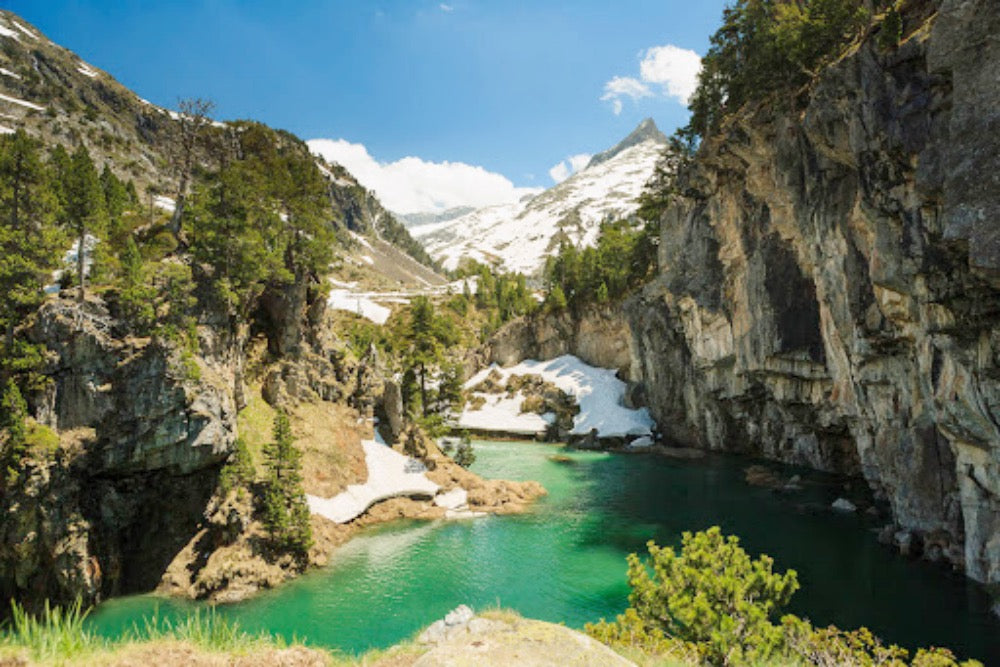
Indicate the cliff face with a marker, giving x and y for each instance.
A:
(143, 435)
(830, 284)
(599, 336)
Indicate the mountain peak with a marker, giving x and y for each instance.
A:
(646, 131)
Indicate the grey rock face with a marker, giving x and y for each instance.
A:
(105, 516)
(599, 337)
(829, 291)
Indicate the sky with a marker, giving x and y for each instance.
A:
(432, 104)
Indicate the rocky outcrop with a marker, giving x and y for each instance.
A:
(599, 336)
(830, 283)
(144, 429)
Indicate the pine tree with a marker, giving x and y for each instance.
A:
(85, 212)
(286, 514)
(29, 242)
(13, 412)
(136, 297)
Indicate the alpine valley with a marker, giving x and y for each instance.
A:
(249, 415)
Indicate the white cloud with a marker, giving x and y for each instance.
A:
(669, 69)
(413, 185)
(569, 166)
(446, 8)
(674, 68)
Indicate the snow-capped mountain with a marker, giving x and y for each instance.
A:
(519, 236)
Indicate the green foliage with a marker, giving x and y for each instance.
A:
(712, 603)
(464, 456)
(13, 413)
(891, 31)
(713, 595)
(30, 243)
(505, 295)
(55, 633)
(136, 296)
(41, 441)
(623, 259)
(427, 335)
(285, 512)
(767, 46)
(60, 634)
(205, 628)
(84, 212)
(238, 472)
(396, 233)
(450, 386)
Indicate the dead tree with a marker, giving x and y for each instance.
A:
(194, 117)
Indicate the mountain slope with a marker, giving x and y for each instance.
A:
(54, 95)
(520, 235)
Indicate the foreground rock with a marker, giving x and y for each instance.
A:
(504, 638)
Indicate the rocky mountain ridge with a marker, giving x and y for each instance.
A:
(520, 235)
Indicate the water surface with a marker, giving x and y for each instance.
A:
(565, 561)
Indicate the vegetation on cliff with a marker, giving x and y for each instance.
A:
(770, 48)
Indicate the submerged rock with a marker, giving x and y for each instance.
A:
(844, 505)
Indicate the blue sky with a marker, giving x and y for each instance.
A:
(512, 87)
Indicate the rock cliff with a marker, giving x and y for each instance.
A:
(599, 336)
(829, 288)
(144, 431)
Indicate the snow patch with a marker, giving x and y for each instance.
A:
(86, 70)
(7, 72)
(598, 392)
(7, 32)
(5, 130)
(69, 261)
(165, 203)
(358, 303)
(23, 103)
(24, 30)
(390, 475)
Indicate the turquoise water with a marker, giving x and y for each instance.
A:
(565, 561)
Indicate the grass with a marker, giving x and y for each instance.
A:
(59, 636)
(255, 424)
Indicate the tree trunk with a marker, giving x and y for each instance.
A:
(81, 253)
(423, 389)
(175, 220)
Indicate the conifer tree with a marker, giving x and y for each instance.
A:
(286, 514)
(29, 244)
(136, 296)
(13, 412)
(85, 212)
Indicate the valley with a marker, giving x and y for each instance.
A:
(244, 403)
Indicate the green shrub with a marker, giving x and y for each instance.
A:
(712, 603)
(40, 440)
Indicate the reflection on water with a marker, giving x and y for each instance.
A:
(565, 561)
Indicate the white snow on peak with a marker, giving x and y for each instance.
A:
(7, 72)
(598, 392)
(23, 103)
(520, 236)
(390, 474)
(5, 130)
(86, 70)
